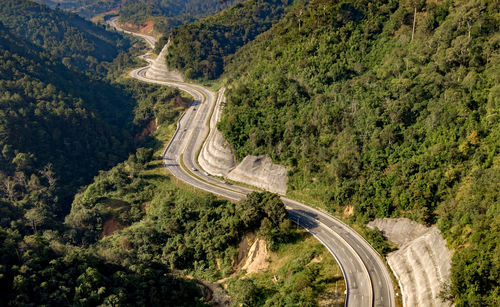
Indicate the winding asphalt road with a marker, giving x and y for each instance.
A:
(368, 282)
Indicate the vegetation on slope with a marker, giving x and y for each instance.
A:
(301, 273)
(58, 127)
(367, 110)
(200, 48)
(170, 13)
(37, 271)
(56, 118)
(84, 8)
(165, 13)
(193, 233)
(64, 35)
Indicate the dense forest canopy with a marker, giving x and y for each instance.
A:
(58, 127)
(367, 110)
(51, 115)
(391, 107)
(200, 48)
(47, 273)
(165, 13)
(64, 35)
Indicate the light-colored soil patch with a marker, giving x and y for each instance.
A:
(348, 211)
(159, 69)
(422, 262)
(316, 259)
(244, 248)
(400, 230)
(109, 227)
(148, 28)
(257, 261)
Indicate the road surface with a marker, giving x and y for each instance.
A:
(368, 282)
(150, 40)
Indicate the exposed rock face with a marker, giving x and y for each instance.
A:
(159, 69)
(260, 171)
(257, 257)
(216, 156)
(422, 262)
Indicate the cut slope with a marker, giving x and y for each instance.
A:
(422, 263)
(216, 156)
(364, 112)
(261, 172)
(159, 69)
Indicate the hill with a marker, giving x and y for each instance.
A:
(390, 107)
(164, 13)
(57, 118)
(58, 128)
(77, 42)
(200, 48)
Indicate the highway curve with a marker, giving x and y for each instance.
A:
(368, 282)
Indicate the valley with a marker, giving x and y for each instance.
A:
(249, 153)
(368, 281)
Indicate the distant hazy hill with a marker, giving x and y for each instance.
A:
(85, 8)
(369, 111)
(165, 13)
(64, 35)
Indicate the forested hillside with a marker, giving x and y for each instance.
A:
(200, 48)
(84, 8)
(170, 12)
(64, 35)
(165, 13)
(58, 128)
(57, 118)
(388, 106)
(196, 234)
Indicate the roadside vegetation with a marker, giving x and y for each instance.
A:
(195, 234)
(59, 125)
(300, 273)
(378, 109)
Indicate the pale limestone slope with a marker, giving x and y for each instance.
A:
(261, 172)
(159, 69)
(422, 262)
(216, 157)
